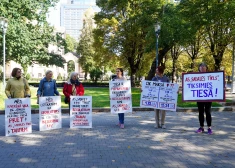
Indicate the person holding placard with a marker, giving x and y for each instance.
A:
(204, 107)
(119, 77)
(73, 87)
(160, 115)
(17, 87)
(47, 86)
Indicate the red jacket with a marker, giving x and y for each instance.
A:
(67, 90)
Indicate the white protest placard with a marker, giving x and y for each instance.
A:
(80, 111)
(18, 116)
(203, 87)
(159, 95)
(120, 96)
(50, 113)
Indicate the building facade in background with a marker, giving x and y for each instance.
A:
(72, 14)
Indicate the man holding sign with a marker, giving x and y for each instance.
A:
(204, 88)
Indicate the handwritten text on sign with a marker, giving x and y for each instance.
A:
(159, 95)
(18, 116)
(50, 113)
(81, 112)
(120, 96)
(203, 86)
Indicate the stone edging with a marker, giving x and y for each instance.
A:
(179, 109)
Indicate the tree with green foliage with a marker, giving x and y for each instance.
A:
(216, 19)
(70, 44)
(124, 29)
(28, 34)
(95, 74)
(85, 46)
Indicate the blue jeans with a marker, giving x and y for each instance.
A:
(121, 118)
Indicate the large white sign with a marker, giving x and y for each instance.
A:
(50, 113)
(159, 95)
(18, 116)
(120, 96)
(80, 112)
(207, 86)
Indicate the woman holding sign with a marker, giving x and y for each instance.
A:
(204, 107)
(17, 87)
(73, 87)
(160, 114)
(119, 72)
(47, 86)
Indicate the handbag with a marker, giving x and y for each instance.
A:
(66, 100)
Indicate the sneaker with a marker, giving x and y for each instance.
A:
(210, 131)
(122, 126)
(200, 130)
(119, 124)
(163, 126)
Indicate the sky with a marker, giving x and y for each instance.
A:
(54, 14)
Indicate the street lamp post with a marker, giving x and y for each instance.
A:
(233, 71)
(3, 26)
(157, 31)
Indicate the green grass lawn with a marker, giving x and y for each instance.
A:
(100, 98)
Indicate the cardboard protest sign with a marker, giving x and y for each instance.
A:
(159, 95)
(120, 96)
(201, 87)
(81, 112)
(50, 113)
(18, 116)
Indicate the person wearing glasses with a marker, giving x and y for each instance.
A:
(120, 77)
(160, 115)
(17, 87)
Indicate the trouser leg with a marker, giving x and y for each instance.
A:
(208, 113)
(163, 116)
(201, 113)
(121, 118)
(157, 117)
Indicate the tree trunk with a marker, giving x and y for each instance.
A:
(161, 55)
(218, 60)
(85, 76)
(152, 71)
(192, 64)
(174, 78)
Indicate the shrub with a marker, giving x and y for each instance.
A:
(95, 74)
(27, 76)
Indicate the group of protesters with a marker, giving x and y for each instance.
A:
(18, 87)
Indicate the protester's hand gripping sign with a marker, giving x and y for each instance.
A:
(80, 112)
(18, 116)
(50, 113)
(203, 87)
(120, 96)
(159, 95)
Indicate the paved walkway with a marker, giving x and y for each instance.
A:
(139, 145)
